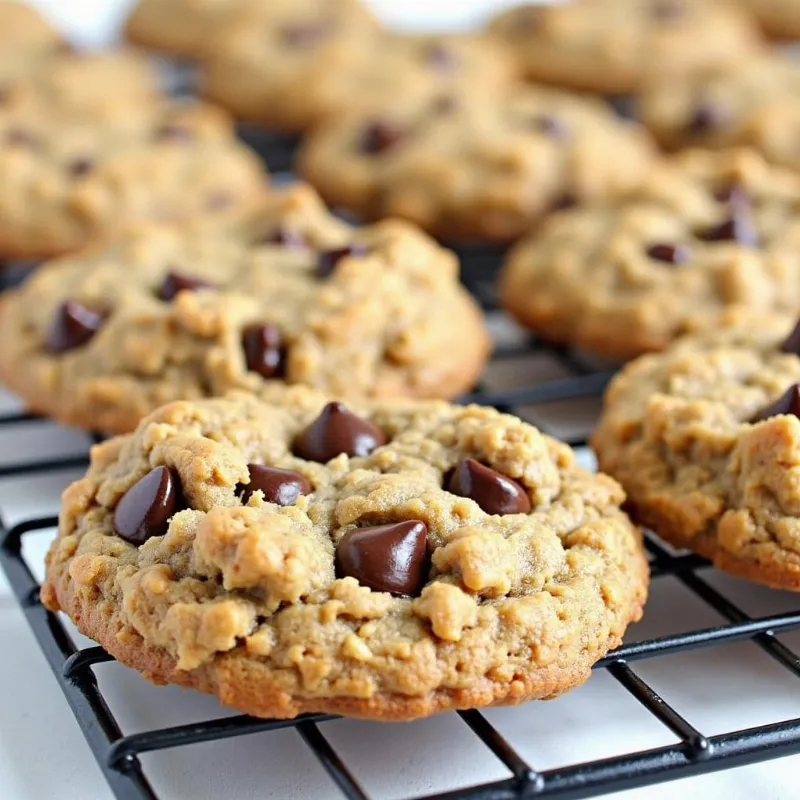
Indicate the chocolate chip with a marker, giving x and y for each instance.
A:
(285, 235)
(705, 118)
(739, 228)
(306, 34)
(386, 558)
(74, 324)
(528, 19)
(379, 136)
(787, 403)
(624, 105)
(176, 282)
(328, 259)
(552, 127)
(174, 132)
(669, 253)
(262, 349)
(733, 193)
(20, 138)
(667, 10)
(337, 430)
(440, 56)
(80, 167)
(564, 201)
(218, 200)
(146, 508)
(444, 104)
(792, 341)
(281, 486)
(494, 492)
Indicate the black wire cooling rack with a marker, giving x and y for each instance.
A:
(694, 753)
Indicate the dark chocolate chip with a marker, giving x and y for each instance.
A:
(733, 193)
(285, 235)
(21, 138)
(80, 167)
(328, 259)
(386, 558)
(281, 486)
(178, 282)
(440, 56)
(669, 253)
(739, 228)
(444, 104)
(146, 508)
(494, 492)
(667, 10)
(787, 403)
(624, 105)
(553, 127)
(263, 349)
(564, 201)
(74, 324)
(337, 430)
(378, 136)
(302, 35)
(706, 117)
(792, 342)
(174, 132)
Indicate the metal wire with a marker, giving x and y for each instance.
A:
(692, 753)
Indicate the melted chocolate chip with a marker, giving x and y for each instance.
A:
(337, 430)
(80, 167)
(669, 253)
(706, 117)
(281, 486)
(792, 341)
(174, 132)
(263, 351)
(739, 228)
(146, 508)
(176, 282)
(328, 259)
(787, 403)
(378, 136)
(73, 325)
(494, 492)
(564, 201)
(386, 558)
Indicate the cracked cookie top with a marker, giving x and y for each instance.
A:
(292, 293)
(385, 560)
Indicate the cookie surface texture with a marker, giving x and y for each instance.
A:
(706, 231)
(704, 438)
(373, 592)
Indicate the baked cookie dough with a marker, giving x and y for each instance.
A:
(754, 102)
(779, 18)
(163, 313)
(387, 561)
(618, 46)
(264, 70)
(475, 166)
(705, 438)
(68, 175)
(704, 232)
(26, 39)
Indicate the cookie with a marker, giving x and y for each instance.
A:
(260, 71)
(26, 38)
(475, 166)
(750, 103)
(165, 313)
(618, 46)
(387, 561)
(705, 231)
(779, 18)
(705, 439)
(68, 177)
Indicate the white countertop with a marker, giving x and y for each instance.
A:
(43, 753)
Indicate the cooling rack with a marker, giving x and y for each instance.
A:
(693, 752)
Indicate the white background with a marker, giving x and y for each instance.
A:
(43, 754)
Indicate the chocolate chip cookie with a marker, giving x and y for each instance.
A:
(705, 231)
(71, 174)
(289, 74)
(705, 439)
(475, 166)
(26, 38)
(389, 560)
(618, 46)
(753, 102)
(779, 18)
(171, 312)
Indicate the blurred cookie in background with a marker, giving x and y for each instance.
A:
(475, 166)
(618, 46)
